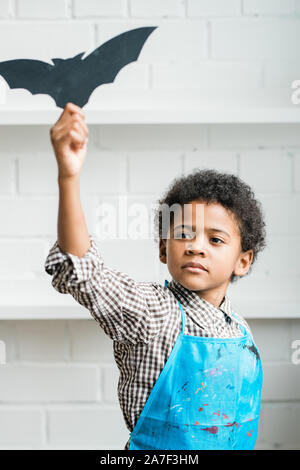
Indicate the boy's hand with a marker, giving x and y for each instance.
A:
(69, 137)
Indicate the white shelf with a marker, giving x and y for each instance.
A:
(38, 300)
(267, 309)
(158, 116)
(115, 106)
(44, 312)
(249, 310)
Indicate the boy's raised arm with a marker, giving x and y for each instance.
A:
(126, 310)
(69, 138)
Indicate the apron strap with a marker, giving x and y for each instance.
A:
(244, 330)
(182, 316)
(182, 311)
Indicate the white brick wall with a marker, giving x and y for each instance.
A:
(83, 427)
(59, 385)
(268, 7)
(255, 165)
(5, 9)
(101, 8)
(159, 8)
(213, 8)
(206, 75)
(258, 39)
(281, 73)
(36, 9)
(56, 39)
(21, 427)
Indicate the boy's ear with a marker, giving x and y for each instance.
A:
(163, 251)
(243, 263)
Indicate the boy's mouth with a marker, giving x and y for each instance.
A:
(194, 267)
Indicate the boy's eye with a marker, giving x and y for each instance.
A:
(180, 235)
(184, 235)
(215, 238)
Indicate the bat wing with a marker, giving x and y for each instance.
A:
(33, 75)
(105, 62)
(75, 79)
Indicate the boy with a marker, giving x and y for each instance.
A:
(190, 372)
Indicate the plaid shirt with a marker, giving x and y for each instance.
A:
(142, 318)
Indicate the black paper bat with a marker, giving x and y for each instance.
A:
(73, 80)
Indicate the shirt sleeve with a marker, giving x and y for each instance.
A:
(127, 310)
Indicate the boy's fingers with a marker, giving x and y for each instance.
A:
(71, 111)
(66, 121)
(77, 138)
(70, 108)
(79, 129)
(72, 117)
(73, 108)
(77, 119)
(63, 130)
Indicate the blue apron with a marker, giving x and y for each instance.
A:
(206, 397)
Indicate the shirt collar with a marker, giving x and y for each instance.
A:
(189, 298)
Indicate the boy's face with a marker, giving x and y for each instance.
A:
(198, 235)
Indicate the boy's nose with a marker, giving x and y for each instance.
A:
(196, 246)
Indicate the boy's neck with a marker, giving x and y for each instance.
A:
(214, 297)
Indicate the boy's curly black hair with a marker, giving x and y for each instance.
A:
(223, 188)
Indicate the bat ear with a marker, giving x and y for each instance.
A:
(58, 61)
